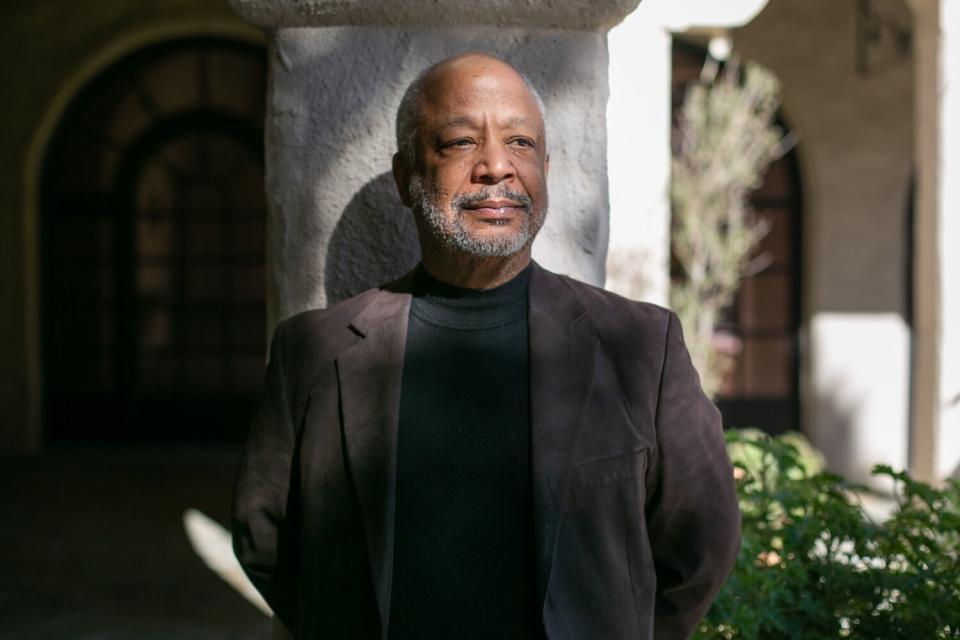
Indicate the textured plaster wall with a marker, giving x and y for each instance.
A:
(43, 48)
(336, 224)
(856, 148)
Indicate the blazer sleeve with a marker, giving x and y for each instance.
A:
(262, 488)
(693, 515)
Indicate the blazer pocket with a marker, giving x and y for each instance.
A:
(608, 521)
(612, 470)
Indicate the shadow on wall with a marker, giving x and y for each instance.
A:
(375, 241)
(851, 449)
(833, 433)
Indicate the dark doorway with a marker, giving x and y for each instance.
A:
(152, 251)
(763, 323)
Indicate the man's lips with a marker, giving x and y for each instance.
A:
(493, 208)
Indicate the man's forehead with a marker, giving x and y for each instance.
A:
(472, 77)
(473, 64)
(512, 121)
(460, 96)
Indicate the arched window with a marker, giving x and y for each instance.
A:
(152, 248)
(762, 325)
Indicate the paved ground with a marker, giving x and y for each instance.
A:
(93, 546)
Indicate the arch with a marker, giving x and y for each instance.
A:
(770, 401)
(93, 111)
(106, 56)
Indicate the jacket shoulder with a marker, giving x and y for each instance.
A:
(339, 313)
(319, 323)
(323, 332)
(634, 339)
(613, 314)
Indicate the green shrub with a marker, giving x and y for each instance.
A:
(813, 565)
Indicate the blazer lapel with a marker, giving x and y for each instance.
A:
(562, 347)
(369, 374)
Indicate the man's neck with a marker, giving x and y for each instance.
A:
(472, 272)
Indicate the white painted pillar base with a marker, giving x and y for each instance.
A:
(860, 374)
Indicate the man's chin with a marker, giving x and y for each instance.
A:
(491, 243)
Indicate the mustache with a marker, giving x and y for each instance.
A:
(520, 199)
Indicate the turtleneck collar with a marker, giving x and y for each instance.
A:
(456, 307)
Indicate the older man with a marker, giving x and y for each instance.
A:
(483, 449)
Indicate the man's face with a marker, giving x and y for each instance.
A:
(479, 184)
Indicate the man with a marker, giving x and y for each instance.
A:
(483, 449)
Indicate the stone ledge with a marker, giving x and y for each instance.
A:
(582, 15)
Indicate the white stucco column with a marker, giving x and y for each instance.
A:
(935, 440)
(638, 130)
(948, 241)
(638, 157)
(337, 72)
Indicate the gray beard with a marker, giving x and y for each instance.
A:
(454, 235)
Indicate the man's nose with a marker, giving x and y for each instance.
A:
(493, 165)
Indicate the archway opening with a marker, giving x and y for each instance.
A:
(152, 248)
(762, 327)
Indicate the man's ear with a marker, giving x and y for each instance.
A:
(546, 165)
(401, 177)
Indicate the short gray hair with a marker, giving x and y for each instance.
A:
(409, 113)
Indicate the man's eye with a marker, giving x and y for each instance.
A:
(523, 142)
(462, 142)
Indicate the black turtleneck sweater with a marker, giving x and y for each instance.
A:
(463, 559)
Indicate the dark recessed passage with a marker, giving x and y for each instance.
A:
(153, 248)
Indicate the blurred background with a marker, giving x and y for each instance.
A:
(134, 269)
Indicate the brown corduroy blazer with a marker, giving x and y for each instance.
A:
(635, 514)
